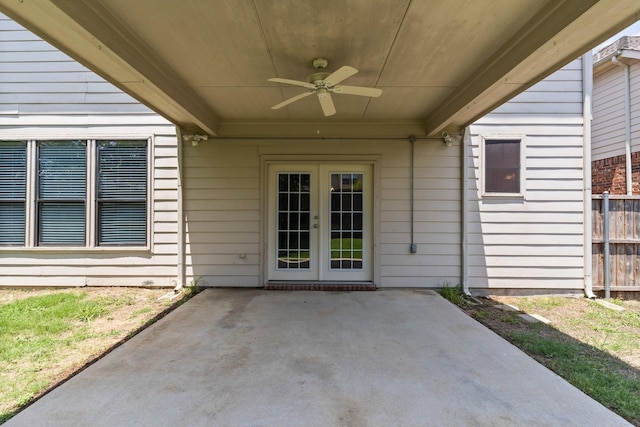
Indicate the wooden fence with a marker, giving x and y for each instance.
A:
(621, 265)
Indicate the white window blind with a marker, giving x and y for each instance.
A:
(62, 188)
(122, 192)
(13, 184)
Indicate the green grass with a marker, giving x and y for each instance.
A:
(44, 338)
(30, 327)
(32, 331)
(595, 373)
(454, 294)
(584, 344)
(534, 305)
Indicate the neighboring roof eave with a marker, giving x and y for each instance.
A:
(625, 47)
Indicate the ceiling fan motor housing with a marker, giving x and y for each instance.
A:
(318, 78)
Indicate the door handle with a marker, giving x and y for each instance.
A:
(315, 225)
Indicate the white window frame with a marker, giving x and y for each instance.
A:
(523, 167)
(91, 244)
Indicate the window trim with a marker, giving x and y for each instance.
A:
(483, 164)
(91, 223)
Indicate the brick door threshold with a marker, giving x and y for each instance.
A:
(288, 286)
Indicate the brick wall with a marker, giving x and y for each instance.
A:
(610, 175)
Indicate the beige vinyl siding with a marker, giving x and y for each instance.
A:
(608, 135)
(225, 207)
(634, 72)
(38, 80)
(222, 213)
(535, 243)
(608, 125)
(437, 227)
(47, 95)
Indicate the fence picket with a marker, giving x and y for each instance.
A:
(624, 245)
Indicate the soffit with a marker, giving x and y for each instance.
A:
(205, 65)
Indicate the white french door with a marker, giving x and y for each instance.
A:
(319, 220)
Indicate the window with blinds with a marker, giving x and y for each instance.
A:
(76, 193)
(13, 189)
(122, 193)
(62, 190)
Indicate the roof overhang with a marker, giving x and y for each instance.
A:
(441, 65)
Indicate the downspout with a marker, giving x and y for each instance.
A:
(587, 90)
(413, 248)
(180, 276)
(627, 120)
(466, 142)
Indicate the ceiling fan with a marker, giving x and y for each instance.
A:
(322, 84)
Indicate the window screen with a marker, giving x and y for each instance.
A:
(122, 192)
(13, 185)
(502, 166)
(62, 189)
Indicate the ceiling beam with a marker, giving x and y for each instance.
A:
(94, 37)
(561, 29)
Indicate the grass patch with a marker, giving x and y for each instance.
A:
(454, 294)
(595, 373)
(47, 336)
(594, 348)
(140, 311)
(34, 327)
(33, 331)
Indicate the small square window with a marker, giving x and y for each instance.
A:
(503, 166)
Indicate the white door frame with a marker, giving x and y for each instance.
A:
(320, 267)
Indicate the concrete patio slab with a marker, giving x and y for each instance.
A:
(234, 357)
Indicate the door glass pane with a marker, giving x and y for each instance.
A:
(293, 221)
(346, 221)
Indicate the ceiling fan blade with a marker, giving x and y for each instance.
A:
(291, 100)
(326, 103)
(292, 82)
(373, 92)
(339, 75)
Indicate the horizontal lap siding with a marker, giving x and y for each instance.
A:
(225, 222)
(222, 213)
(608, 125)
(45, 94)
(437, 215)
(536, 243)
